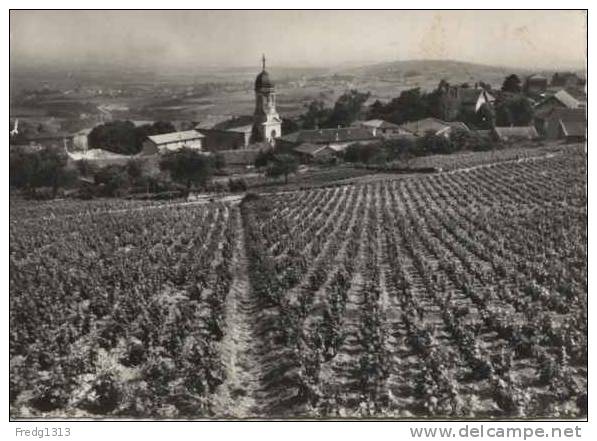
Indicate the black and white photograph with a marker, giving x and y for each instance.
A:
(298, 215)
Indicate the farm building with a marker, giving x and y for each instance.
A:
(437, 126)
(81, 140)
(226, 138)
(562, 99)
(314, 152)
(515, 133)
(159, 144)
(337, 139)
(549, 124)
(379, 127)
(573, 131)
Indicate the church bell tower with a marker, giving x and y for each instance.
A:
(267, 124)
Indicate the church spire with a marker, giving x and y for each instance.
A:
(263, 61)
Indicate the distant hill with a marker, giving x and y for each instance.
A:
(423, 70)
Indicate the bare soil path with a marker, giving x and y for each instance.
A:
(236, 397)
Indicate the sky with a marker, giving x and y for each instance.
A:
(525, 39)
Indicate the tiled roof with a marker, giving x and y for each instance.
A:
(380, 124)
(241, 129)
(168, 138)
(564, 98)
(327, 136)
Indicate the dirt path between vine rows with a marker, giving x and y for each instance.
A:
(237, 396)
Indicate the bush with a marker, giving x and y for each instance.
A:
(112, 179)
(105, 395)
(237, 185)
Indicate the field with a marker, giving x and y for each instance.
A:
(452, 295)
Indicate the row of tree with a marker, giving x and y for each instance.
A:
(42, 173)
(401, 150)
(511, 107)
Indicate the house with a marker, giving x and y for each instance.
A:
(562, 99)
(535, 84)
(224, 137)
(573, 131)
(456, 100)
(434, 125)
(81, 139)
(337, 139)
(160, 144)
(379, 127)
(515, 133)
(308, 152)
(549, 124)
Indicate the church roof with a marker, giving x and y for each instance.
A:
(263, 81)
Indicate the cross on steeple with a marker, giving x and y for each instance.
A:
(263, 61)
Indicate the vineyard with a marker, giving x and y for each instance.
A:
(452, 295)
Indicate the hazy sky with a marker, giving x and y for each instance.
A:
(535, 39)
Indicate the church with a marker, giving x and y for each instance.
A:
(264, 126)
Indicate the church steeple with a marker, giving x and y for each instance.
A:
(267, 124)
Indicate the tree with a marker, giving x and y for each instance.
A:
(123, 137)
(264, 157)
(115, 136)
(219, 160)
(410, 105)
(347, 109)
(134, 169)
(512, 84)
(44, 168)
(86, 168)
(433, 144)
(282, 165)
(188, 166)
(316, 115)
(513, 110)
(364, 153)
(114, 178)
(289, 126)
(402, 149)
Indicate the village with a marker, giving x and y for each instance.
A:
(533, 109)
